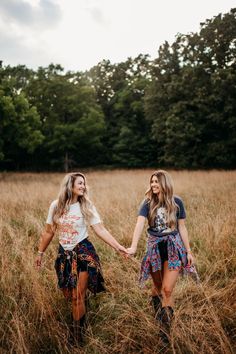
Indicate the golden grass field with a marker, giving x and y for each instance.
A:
(34, 314)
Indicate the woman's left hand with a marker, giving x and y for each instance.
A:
(190, 259)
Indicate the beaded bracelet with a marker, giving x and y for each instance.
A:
(40, 253)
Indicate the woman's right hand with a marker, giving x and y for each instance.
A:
(45, 239)
(38, 261)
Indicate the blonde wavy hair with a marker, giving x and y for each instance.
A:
(65, 197)
(165, 199)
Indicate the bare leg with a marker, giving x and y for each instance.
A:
(156, 292)
(78, 296)
(78, 308)
(157, 278)
(66, 293)
(168, 283)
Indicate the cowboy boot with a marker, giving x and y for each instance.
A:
(77, 333)
(156, 304)
(165, 317)
(71, 330)
(82, 324)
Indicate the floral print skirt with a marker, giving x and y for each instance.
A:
(69, 264)
(176, 257)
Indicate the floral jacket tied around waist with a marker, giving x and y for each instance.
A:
(177, 257)
(67, 267)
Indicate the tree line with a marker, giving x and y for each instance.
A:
(177, 110)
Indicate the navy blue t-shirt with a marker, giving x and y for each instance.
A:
(160, 225)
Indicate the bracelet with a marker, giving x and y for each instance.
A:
(40, 253)
(188, 250)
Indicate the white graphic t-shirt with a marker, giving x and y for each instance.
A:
(71, 227)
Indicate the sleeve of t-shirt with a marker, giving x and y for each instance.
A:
(95, 219)
(181, 213)
(144, 209)
(50, 212)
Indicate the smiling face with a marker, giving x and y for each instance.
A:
(78, 187)
(155, 185)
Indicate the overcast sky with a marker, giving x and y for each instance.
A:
(79, 33)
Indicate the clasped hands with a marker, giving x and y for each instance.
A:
(126, 252)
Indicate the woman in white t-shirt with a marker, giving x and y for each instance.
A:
(77, 265)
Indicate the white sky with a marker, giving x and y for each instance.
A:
(79, 33)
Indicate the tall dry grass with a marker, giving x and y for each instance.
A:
(34, 315)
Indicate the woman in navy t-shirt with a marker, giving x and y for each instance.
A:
(168, 249)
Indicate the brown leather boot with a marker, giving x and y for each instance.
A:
(165, 318)
(156, 305)
(77, 328)
(82, 323)
(77, 332)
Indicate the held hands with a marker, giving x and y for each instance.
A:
(122, 250)
(131, 251)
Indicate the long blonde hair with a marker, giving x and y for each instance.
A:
(65, 197)
(165, 199)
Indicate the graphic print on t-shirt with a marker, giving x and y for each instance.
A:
(160, 221)
(67, 228)
(72, 228)
(160, 225)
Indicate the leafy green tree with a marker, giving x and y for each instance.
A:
(20, 126)
(120, 91)
(72, 120)
(193, 118)
(178, 110)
